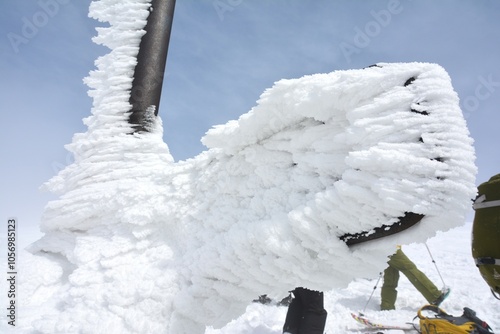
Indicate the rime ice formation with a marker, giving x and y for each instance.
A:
(138, 243)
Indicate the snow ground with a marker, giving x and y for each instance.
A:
(452, 255)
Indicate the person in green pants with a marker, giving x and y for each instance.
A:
(399, 262)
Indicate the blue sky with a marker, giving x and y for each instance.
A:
(223, 54)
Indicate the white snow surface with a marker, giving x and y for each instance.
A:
(139, 243)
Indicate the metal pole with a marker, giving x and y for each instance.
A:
(435, 265)
(371, 295)
(150, 68)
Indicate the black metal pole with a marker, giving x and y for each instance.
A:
(150, 68)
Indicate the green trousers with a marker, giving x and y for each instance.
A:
(399, 262)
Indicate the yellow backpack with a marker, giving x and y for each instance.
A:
(443, 323)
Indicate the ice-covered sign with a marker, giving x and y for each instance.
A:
(138, 243)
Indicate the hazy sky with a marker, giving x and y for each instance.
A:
(223, 54)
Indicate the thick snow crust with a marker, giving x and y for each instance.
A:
(138, 243)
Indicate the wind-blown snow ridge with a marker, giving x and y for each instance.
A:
(137, 243)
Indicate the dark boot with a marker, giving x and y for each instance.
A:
(306, 313)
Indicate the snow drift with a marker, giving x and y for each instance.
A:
(138, 243)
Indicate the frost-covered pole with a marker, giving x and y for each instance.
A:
(149, 71)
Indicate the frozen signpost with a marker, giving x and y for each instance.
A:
(290, 194)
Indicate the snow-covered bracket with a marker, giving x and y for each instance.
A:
(139, 243)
